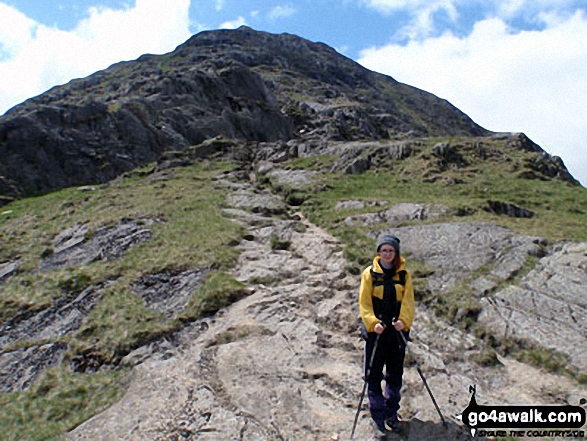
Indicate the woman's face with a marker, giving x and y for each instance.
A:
(386, 254)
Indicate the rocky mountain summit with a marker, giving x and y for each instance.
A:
(239, 84)
(199, 281)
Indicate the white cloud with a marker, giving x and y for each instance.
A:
(421, 14)
(16, 30)
(531, 81)
(388, 6)
(283, 11)
(234, 23)
(423, 23)
(512, 8)
(38, 56)
(503, 8)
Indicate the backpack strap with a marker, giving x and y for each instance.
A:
(402, 277)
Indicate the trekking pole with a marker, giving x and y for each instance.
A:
(365, 385)
(423, 379)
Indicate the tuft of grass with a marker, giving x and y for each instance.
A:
(57, 402)
(118, 324)
(218, 290)
(487, 357)
(312, 163)
(276, 243)
(545, 358)
(530, 353)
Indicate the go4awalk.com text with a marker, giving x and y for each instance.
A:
(573, 434)
(525, 421)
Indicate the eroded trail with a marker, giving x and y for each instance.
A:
(285, 362)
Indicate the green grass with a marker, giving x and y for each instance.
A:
(57, 402)
(558, 206)
(183, 211)
(317, 162)
(182, 208)
(218, 290)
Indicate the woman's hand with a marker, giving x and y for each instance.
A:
(398, 325)
(379, 328)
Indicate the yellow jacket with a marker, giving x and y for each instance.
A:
(404, 294)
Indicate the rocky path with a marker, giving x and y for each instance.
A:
(285, 362)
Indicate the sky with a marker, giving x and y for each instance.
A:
(511, 65)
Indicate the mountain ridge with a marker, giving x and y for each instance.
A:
(241, 84)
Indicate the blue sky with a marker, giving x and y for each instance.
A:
(511, 65)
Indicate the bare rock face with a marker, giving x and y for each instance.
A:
(548, 307)
(239, 84)
(169, 293)
(72, 247)
(19, 367)
(399, 213)
(8, 268)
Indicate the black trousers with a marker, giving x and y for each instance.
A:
(389, 355)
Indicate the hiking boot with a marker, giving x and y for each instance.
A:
(380, 426)
(393, 424)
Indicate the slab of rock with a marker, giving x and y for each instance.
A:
(7, 269)
(169, 293)
(548, 307)
(72, 247)
(296, 179)
(257, 201)
(357, 205)
(399, 213)
(19, 368)
(64, 316)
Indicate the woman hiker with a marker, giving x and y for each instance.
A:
(386, 304)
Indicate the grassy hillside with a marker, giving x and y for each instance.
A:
(183, 210)
(499, 173)
(189, 232)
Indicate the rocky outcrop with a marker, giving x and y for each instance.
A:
(49, 143)
(8, 268)
(74, 246)
(508, 209)
(19, 367)
(238, 84)
(167, 292)
(399, 213)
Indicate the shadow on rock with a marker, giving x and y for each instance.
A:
(416, 430)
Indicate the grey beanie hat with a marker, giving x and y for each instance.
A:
(390, 240)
